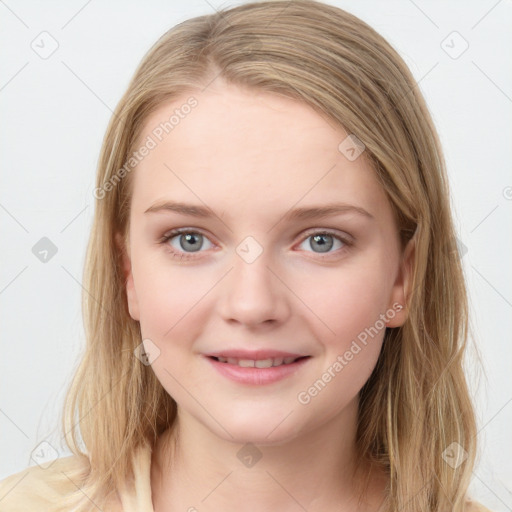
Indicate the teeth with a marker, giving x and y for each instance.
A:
(259, 363)
(263, 363)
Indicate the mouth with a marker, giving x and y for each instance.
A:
(258, 363)
(257, 368)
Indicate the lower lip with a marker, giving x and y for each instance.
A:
(256, 376)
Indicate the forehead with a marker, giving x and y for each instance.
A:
(254, 151)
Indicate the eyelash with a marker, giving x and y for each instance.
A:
(347, 243)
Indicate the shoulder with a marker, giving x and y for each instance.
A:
(58, 487)
(41, 488)
(474, 506)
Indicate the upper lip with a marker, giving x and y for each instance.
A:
(253, 354)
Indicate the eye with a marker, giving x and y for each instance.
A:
(185, 241)
(324, 241)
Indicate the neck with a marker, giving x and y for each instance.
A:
(193, 469)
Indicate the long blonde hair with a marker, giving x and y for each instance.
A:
(416, 402)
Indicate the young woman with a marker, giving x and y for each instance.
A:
(275, 309)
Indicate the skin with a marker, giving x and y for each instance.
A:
(251, 157)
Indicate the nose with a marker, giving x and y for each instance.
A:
(254, 293)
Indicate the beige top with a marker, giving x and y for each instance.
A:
(37, 489)
(40, 489)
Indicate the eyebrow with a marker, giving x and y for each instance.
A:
(304, 213)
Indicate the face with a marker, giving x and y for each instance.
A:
(262, 275)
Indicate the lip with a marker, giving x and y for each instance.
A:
(256, 376)
(253, 354)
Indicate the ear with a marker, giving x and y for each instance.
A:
(401, 288)
(131, 294)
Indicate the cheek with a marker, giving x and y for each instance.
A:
(349, 306)
(168, 297)
(347, 301)
(171, 316)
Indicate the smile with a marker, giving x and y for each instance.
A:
(257, 372)
(258, 363)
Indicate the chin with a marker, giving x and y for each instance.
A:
(259, 429)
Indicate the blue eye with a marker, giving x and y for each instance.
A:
(324, 241)
(185, 242)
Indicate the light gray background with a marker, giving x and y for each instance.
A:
(55, 111)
